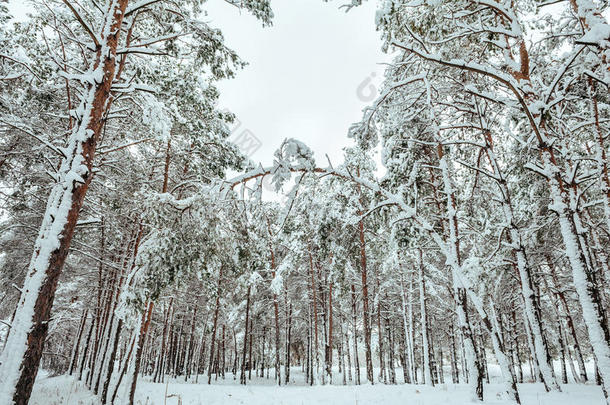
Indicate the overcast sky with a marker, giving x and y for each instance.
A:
(309, 75)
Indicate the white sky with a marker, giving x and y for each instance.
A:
(305, 72)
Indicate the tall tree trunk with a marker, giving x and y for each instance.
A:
(288, 342)
(250, 365)
(146, 316)
(79, 335)
(382, 367)
(569, 321)
(190, 348)
(355, 337)
(329, 346)
(475, 377)
(215, 324)
(408, 352)
(161, 361)
(86, 350)
(427, 375)
(262, 369)
(20, 358)
(365, 298)
(349, 358)
(242, 378)
(388, 331)
(123, 370)
(276, 313)
(455, 372)
(315, 311)
(111, 360)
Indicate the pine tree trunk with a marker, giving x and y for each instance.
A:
(223, 352)
(562, 350)
(288, 343)
(161, 361)
(242, 378)
(355, 337)
(408, 353)
(146, 316)
(382, 371)
(390, 350)
(329, 345)
(455, 372)
(111, 360)
(79, 335)
(250, 350)
(123, 370)
(570, 323)
(86, 350)
(190, 348)
(427, 375)
(365, 304)
(23, 349)
(315, 312)
(475, 377)
(515, 339)
(215, 324)
(262, 369)
(349, 358)
(308, 371)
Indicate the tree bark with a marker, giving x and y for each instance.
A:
(355, 337)
(21, 356)
(427, 375)
(79, 335)
(242, 378)
(365, 301)
(215, 324)
(146, 316)
(315, 311)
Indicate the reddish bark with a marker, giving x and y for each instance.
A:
(46, 294)
(214, 326)
(143, 330)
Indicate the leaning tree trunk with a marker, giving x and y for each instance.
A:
(21, 356)
(74, 358)
(146, 315)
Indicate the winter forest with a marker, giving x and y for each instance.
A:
(458, 252)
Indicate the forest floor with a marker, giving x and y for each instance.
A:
(261, 391)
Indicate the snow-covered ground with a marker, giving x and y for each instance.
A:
(66, 390)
